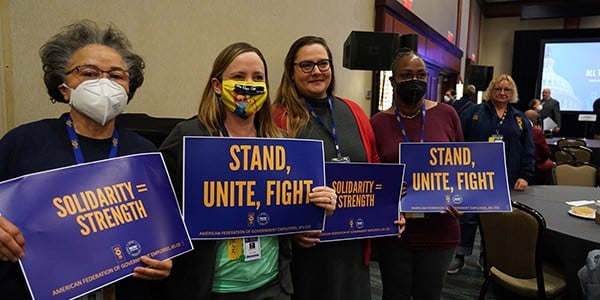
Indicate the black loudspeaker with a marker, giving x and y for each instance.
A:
(480, 76)
(370, 50)
(410, 41)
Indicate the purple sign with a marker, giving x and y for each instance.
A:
(241, 187)
(87, 225)
(468, 176)
(368, 196)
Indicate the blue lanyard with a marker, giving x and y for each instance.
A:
(75, 141)
(333, 132)
(501, 120)
(401, 125)
(223, 130)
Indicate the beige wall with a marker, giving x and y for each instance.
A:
(498, 36)
(179, 40)
(440, 15)
(475, 20)
(4, 107)
(472, 12)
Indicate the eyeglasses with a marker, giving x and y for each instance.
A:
(506, 90)
(309, 66)
(406, 76)
(89, 72)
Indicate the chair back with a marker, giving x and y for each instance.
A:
(563, 155)
(581, 153)
(511, 240)
(152, 128)
(564, 142)
(575, 173)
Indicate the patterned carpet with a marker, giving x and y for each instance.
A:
(464, 285)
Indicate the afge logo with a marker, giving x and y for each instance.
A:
(118, 252)
(263, 219)
(360, 223)
(133, 248)
(457, 199)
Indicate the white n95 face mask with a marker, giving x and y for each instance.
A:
(101, 100)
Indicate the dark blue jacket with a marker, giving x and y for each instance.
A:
(480, 122)
(463, 103)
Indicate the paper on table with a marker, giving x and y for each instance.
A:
(580, 202)
(549, 124)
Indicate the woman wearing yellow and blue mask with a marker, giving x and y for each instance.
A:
(242, 97)
(235, 103)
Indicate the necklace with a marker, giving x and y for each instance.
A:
(411, 116)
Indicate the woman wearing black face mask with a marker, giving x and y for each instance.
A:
(415, 265)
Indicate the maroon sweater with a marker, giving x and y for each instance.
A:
(435, 231)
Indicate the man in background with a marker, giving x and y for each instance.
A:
(468, 99)
(550, 109)
(543, 163)
(596, 126)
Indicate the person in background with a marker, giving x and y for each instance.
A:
(450, 96)
(496, 120)
(536, 105)
(467, 219)
(468, 99)
(307, 108)
(208, 272)
(96, 73)
(415, 265)
(550, 109)
(542, 153)
(596, 126)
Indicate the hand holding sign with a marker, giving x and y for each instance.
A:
(307, 239)
(324, 197)
(261, 187)
(455, 175)
(12, 243)
(401, 222)
(156, 269)
(94, 229)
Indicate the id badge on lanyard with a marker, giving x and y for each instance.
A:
(250, 247)
(414, 215)
(341, 159)
(495, 138)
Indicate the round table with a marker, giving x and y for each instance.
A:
(550, 200)
(568, 238)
